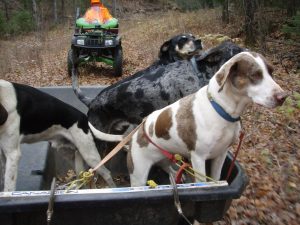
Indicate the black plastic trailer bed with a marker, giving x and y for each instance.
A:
(117, 206)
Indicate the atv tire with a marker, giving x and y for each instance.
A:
(70, 62)
(118, 61)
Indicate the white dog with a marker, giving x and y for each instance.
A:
(28, 115)
(203, 125)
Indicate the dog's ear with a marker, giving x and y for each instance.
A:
(240, 70)
(164, 49)
(3, 115)
(229, 70)
(210, 57)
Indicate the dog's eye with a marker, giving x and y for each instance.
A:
(183, 39)
(181, 42)
(256, 77)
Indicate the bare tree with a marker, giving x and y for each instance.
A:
(225, 12)
(249, 10)
(261, 25)
(35, 14)
(63, 14)
(5, 3)
(55, 11)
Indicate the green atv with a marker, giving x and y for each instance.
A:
(95, 42)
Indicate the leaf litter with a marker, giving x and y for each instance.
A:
(270, 153)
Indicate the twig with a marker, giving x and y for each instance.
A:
(277, 161)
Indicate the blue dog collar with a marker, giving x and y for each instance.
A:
(220, 110)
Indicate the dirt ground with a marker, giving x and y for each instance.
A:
(271, 150)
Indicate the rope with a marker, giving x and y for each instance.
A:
(192, 171)
(86, 177)
(117, 148)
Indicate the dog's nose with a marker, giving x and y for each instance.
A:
(280, 97)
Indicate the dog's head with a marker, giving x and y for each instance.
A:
(210, 61)
(3, 115)
(180, 47)
(249, 74)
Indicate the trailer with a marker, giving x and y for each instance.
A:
(40, 162)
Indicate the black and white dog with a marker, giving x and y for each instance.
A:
(202, 126)
(130, 100)
(179, 47)
(119, 107)
(29, 115)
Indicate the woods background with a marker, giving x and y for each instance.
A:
(35, 36)
(22, 16)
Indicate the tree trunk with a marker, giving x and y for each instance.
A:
(55, 11)
(63, 16)
(225, 12)
(76, 8)
(6, 9)
(114, 8)
(249, 8)
(262, 26)
(209, 4)
(35, 14)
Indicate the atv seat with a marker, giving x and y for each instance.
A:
(82, 23)
(95, 16)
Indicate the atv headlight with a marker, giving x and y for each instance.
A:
(80, 41)
(108, 42)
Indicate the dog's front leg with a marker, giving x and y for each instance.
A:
(79, 163)
(198, 164)
(141, 166)
(140, 173)
(11, 168)
(217, 164)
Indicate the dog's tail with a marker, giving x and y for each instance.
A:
(84, 99)
(104, 136)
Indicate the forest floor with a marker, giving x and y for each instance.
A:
(270, 153)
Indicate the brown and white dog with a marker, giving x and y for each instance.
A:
(205, 124)
(28, 115)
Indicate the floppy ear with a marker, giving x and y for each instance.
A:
(3, 114)
(164, 49)
(230, 70)
(210, 56)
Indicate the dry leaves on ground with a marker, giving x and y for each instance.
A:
(270, 154)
